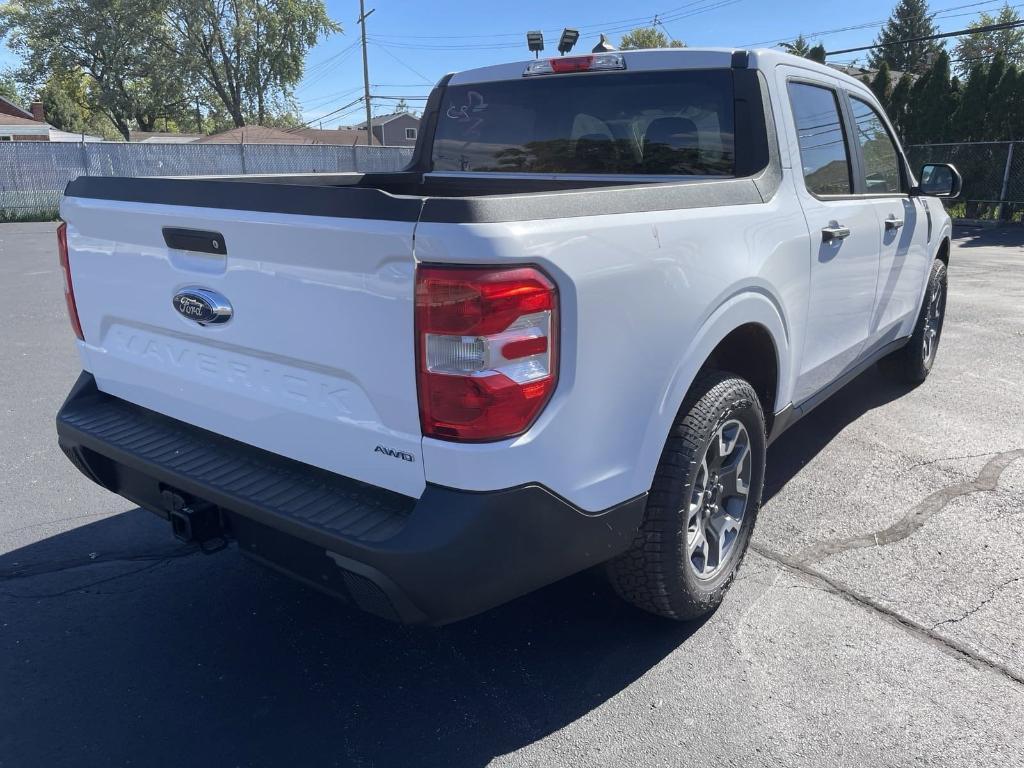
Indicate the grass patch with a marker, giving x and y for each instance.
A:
(8, 216)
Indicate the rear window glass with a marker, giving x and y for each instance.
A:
(630, 123)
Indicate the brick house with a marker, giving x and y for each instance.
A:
(17, 124)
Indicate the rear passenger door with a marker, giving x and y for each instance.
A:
(844, 233)
(882, 177)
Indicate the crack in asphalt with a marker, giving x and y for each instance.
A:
(28, 572)
(59, 521)
(921, 631)
(992, 596)
(81, 587)
(949, 458)
(987, 480)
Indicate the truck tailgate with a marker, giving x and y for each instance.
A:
(316, 362)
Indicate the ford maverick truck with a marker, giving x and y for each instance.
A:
(563, 337)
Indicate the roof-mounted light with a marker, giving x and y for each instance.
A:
(568, 40)
(535, 41)
(598, 62)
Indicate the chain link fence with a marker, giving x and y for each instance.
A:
(33, 174)
(993, 174)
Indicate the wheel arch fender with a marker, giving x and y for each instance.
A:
(749, 307)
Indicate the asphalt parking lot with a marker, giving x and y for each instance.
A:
(878, 620)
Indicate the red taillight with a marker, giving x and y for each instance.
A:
(572, 64)
(69, 289)
(596, 62)
(486, 350)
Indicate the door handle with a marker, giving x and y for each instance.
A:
(834, 232)
(893, 224)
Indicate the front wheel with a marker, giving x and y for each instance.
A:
(913, 363)
(702, 505)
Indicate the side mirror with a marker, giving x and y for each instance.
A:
(940, 180)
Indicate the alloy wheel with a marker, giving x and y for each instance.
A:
(718, 501)
(933, 323)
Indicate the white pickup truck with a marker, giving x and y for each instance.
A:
(563, 337)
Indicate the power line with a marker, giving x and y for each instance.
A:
(420, 75)
(876, 23)
(656, 22)
(324, 67)
(321, 101)
(343, 115)
(624, 25)
(324, 117)
(597, 26)
(940, 36)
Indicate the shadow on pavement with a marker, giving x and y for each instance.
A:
(809, 436)
(125, 647)
(191, 660)
(972, 236)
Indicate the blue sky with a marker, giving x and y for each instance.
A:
(414, 42)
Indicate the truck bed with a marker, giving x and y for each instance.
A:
(416, 196)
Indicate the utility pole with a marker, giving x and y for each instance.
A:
(366, 73)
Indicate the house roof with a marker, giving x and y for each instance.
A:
(6, 119)
(258, 134)
(383, 119)
(253, 134)
(70, 136)
(345, 136)
(11, 105)
(865, 72)
(163, 137)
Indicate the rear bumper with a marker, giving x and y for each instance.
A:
(436, 559)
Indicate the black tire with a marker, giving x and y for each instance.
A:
(657, 573)
(912, 364)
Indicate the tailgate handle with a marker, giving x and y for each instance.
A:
(195, 240)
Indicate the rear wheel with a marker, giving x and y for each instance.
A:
(702, 505)
(913, 363)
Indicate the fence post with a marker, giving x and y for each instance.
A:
(241, 155)
(1006, 182)
(85, 158)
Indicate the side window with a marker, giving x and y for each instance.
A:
(881, 159)
(824, 153)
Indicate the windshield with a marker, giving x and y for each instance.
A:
(647, 123)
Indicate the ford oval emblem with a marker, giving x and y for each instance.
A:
(204, 306)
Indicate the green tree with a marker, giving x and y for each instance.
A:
(899, 103)
(1005, 121)
(799, 47)
(995, 73)
(9, 88)
(969, 120)
(647, 37)
(881, 85)
(910, 19)
(250, 53)
(930, 106)
(65, 98)
(802, 47)
(115, 43)
(982, 46)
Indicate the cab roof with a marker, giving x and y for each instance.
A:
(668, 58)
